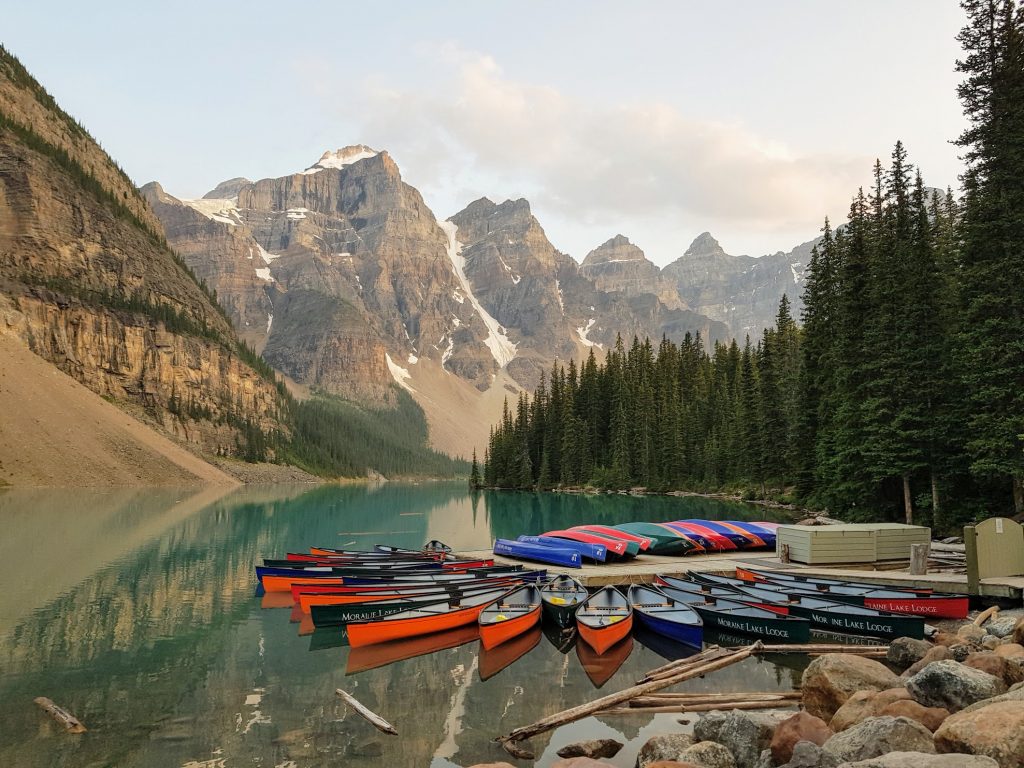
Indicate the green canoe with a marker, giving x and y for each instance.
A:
(665, 540)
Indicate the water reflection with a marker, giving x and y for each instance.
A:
(136, 611)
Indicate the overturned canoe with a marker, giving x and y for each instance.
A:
(541, 553)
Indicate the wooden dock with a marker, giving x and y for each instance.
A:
(642, 570)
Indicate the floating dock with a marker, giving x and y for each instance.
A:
(643, 569)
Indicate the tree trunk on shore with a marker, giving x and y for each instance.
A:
(1018, 494)
(935, 498)
(908, 504)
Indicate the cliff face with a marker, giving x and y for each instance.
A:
(618, 266)
(88, 283)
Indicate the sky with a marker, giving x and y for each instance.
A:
(657, 120)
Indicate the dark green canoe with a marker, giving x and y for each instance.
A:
(664, 541)
(734, 616)
(560, 598)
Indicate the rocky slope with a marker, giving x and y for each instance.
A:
(619, 266)
(89, 284)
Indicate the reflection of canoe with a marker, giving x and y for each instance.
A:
(512, 614)
(561, 597)
(824, 614)
(541, 553)
(601, 667)
(737, 616)
(306, 625)
(666, 541)
(381, 654)
(668, 649)
(328, 637)
(277, 600)
(604, 619)
(420, 621)
(562, 638)
(661, 614)
(931, 604)
(493, 660)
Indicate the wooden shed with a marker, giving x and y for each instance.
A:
(850, 543)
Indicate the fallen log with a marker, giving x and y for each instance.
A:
(71, 723)
(510, 741)
(688, 663)
(661, 699)
(374, 719)
(985, 615)
(823, 648)
(682, 708)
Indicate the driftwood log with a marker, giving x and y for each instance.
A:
(374, 719)
(71, 723)
(698, 666)
(988, 613)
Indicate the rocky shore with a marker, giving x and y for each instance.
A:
(956, 701)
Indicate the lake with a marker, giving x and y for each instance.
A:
(136, 610)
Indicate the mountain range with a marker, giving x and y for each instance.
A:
(346, 282)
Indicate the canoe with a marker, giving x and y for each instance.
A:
(307, 600)
(286, 583)
(510, 615)
(741, 538)
(767, 535)
(435, 548)
(828, 615)
(935, 605)
(735, 616)
(666, 541)
(710, 538)
(541, 553)
(367, 657)
(560, 598)
(619, 547)
(596, 552)
(336, 614)
(342, 570)
(420, 621)
(660, 613)
(356, 553)
(644, 542)
(300, 590)
(494, 660)
(604, 618)
(752, 574)
(601, 667)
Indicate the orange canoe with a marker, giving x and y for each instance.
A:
(515, 612)
(307, 600)
(421, 621)
(605, 618)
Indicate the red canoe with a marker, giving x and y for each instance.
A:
(420, 621)
(615, 546)
(603, 530)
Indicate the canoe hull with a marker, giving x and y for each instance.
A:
(780, 630)
(540, 553)
(603, 638)
(495, 633)
(372, 632)
(687, 634)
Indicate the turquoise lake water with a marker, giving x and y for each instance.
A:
(136, 610)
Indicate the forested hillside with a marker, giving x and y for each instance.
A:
(901, 395)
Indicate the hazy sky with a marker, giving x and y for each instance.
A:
(658, 120)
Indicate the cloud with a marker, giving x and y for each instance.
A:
(598, 161)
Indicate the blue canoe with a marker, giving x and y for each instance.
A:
(596, 552)
(660, 613)
(740, 539)
(767, 534)
(541, 553)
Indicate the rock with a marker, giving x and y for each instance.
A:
(961, 651)
(670, 764)
(593, 748)
(709, 754)
(945, 638)
(1014, 673)
(809, 755)
(581, 762)
(930, 717)
(969, 633)
(1017, 636)
(666, 746)
(937, 653)
(1010, 651)
(904, 651)
(831, 679)
(991, 642)
(492, 765)
(988, 662)
(799, 727)
(1001, 627)
(996, 730)
(1014, 694)
(953, 686)
(865, 704)
(742, 733)
(923, 760)
(877, 736)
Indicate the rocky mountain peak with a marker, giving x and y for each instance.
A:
(705, 245)
(339, 158)
(227, 189)
(617, 249)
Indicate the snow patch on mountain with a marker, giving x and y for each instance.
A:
(339, 158)
(502, 348)
(399, 374)
(582, 331)
(223, 210)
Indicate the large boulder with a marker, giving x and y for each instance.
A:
(930, 717)
(1001, 627)
(593, 748)
(989, 662)
(971, 634)
(792, 730)
(904, 651)
(865, 704)
(1010, 651)
(923, 760)
(580, 762)
(745, 735)
(996, 731)
(937, 653)
(1014, 694)
(830, 680)
(953, 686)
(1017, 635)
(806, 754)
(709, 754)
(664, 746)
(878, 735)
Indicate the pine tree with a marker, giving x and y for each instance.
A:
(474, 474)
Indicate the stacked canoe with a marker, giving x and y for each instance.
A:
(571, 547)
